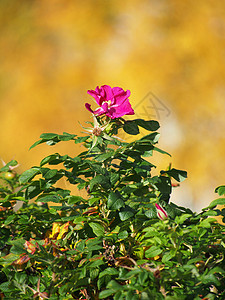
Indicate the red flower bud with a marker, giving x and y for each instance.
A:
(161, 213)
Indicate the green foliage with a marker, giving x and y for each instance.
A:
(109, 244)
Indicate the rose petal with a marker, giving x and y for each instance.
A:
(88, 106)
(120, 95)
(96, 95)
(119, 111)
(113, 102)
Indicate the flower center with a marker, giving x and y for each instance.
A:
(97, 131)
(109, 102)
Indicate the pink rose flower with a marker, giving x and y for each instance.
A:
(113, 102)
(161, 213)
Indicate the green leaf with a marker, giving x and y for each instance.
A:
(49, 198)
(106, 293)
(220, 190)
(51, 158)
(151, 212)
(153, 137)
(37, 143)
(132, 296)
(75, 199)
(6, 167)
(153, 251)
(115, 201)
(206, 223)
(18, 246)
(114, 177)
(9, 219)
(163, 184)
(181, 219)
(66, 136)
(167, 256)
(108, 271)
(100, 180)
(219, 201)
(148, 125)
(81, 139)
(210, 279)
(97, 263)
(114, 285)
(32, 190)
(179, 175)
(8, 259)
(48, 136)
(104, 156)
(123, 235)
(29, 174)
(131, 127)
(161, 151)
(118, 296)
(126, 213)
(142, 277)
(97, 228)
(50, 173)
(5, 287)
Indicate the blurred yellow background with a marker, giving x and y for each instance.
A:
(170, 54)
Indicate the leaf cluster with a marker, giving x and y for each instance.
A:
(108, 243)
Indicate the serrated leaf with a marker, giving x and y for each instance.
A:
(4, 287)
(148, 125)
(219, 201)
(142, 277)
(206, 223)
(104, 156)
(106, 293)
(18, 246)
(161, 151)
(49, 158)
(9, 219)
(220, 190)
(101, 180)
(66, 136)
(50, 173)
(81, 139)
(48, 136)
(114, 177)
(108, 271)
(153, 251)
(167, 256)
(131, 127)
(8, 259)
(153, 137)
(179, 175)
(126, 213)
(36, 144)
(49, 198)
(210, 279)
(28, 175)
(151, 212)
(75, 199)
(123, 235)
(115, 201)
(182, 218)
(130, 296)
(97, 228)
(114, 285)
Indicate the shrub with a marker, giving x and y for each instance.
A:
(123, 239)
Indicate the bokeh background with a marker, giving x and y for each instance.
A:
(170, 54)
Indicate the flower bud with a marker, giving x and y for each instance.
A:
(161, 213)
